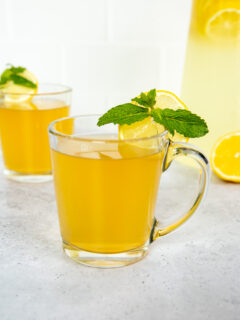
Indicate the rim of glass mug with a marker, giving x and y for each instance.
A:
(57, 133)
(43, 90)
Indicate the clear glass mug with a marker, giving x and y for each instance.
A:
(106, 189)
(24, 119)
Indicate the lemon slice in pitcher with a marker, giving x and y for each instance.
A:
(17, 84)
(224, 25)
(148, 127)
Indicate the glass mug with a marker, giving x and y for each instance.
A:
(24, 119)
(106, 189)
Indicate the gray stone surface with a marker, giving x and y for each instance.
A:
(190, 274)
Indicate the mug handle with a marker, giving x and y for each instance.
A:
(176, 149)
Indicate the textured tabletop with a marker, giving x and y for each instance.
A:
(193, 273)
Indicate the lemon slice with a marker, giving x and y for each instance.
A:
(225, 157)
(148, 127)
(24, 105)
(224, 25)
(16, 93)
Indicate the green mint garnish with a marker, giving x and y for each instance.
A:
(146, 100)
(16, 69)
(127, 113)
(5, 76)
(182, 121)
(21, 81)
(14, 74)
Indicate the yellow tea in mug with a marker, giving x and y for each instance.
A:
(106, 196)
(24, 136)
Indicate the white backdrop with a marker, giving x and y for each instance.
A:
(107, 50)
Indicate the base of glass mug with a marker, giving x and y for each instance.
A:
(29, 178)
(105, 260)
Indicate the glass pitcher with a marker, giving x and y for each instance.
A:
(211, 80)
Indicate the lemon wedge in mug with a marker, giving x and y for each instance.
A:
(17, 84)
(148, 127)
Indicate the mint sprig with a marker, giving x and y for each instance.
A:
(182, 121)
(14, 74)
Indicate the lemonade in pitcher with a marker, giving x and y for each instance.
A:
(212, 68)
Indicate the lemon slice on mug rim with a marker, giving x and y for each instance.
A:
(15, 93)
(148, 127)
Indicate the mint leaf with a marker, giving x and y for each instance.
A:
(182, 121)
(147, 100)
(5, 76)
(13, 74)
(17, 69)
(21, 81)
(127, 113)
